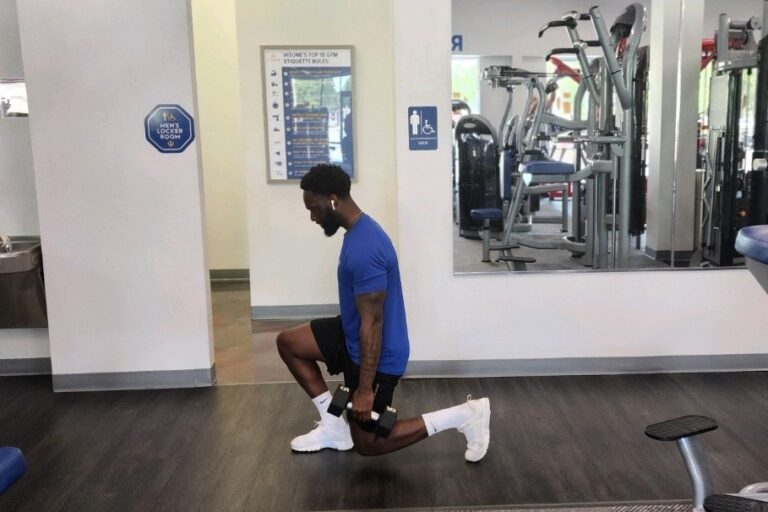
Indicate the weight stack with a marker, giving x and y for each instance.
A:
(758, 180)
(758, 197)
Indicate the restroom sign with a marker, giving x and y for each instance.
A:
(422, 128)
(169, 128)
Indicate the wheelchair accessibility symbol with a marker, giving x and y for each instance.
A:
(422, 128)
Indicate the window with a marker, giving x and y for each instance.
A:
(465, 80)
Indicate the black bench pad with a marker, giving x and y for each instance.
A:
(686, 426)
(730, 503)
(517, 259)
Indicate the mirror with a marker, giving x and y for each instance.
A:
(730, 186)
(570, 152)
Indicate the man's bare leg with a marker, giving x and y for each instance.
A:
(300, 352)
(471, 419)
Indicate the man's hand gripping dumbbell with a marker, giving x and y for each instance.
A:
(385, 421)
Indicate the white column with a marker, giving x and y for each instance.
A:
(671, 40)
(422, 65)
(121, 223)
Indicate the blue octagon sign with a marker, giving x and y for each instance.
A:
(169, 128)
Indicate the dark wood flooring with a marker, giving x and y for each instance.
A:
(554, 440)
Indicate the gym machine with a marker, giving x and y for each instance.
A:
(728, 202)
(606, 148)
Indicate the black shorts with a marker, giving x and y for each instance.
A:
(329, 335)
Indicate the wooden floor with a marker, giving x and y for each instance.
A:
(554, 440)
(245, 348)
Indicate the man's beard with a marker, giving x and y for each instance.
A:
(330, 223)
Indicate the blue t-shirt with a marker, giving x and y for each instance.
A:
(368, 263)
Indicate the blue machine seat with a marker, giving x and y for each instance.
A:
(12, 466)
(752, 242)
(548, 168)
(486, 214)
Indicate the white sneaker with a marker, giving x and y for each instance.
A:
(477, 429)
(327, 434)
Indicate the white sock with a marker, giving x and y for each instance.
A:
(453, 417)
(321, 403)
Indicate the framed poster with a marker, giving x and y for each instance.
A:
(308, 106)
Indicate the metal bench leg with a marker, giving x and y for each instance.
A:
(696, 463)
(517, 199)
(486, 236)
(565, 209)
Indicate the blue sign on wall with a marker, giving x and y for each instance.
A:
(422, 128)
(457, 43)
(169, 128)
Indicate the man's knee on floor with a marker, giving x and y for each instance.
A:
(367, 445)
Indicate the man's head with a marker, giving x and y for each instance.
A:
(325, 186)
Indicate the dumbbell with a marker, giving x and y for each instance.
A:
(385, 421)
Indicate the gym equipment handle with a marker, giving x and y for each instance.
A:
(560, 51)
(614, 69)
(569, 22)
(374, 414)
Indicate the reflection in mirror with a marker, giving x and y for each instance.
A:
(732, 183)
(549, 155)
(581, 122)
(13, 98)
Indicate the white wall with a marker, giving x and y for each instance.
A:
(121, 223)
(515, 316)
(218, 94)
(292, 262)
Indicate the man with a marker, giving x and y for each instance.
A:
(368, 342)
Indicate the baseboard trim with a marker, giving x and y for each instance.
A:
(665, 255)
(230, 274)
(587, 366)
(203, 377)
(416, 369)
(31, 366)
(293, 312)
